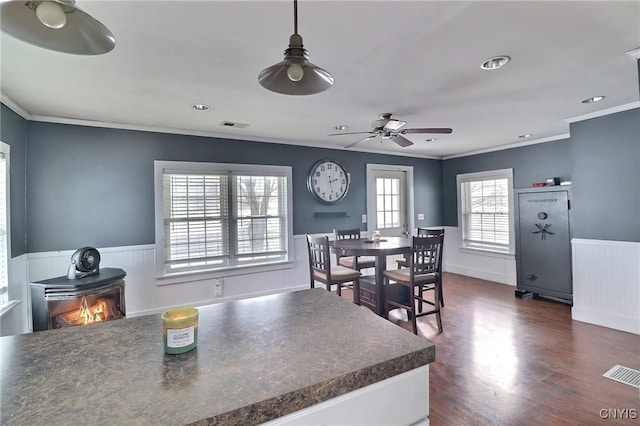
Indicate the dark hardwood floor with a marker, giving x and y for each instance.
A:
(508, 361)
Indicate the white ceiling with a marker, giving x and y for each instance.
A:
(418, 60)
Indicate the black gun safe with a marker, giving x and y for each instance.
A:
(543, 242)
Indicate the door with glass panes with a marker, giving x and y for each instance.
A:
(387, 192)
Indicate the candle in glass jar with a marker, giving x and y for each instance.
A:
(180, 330)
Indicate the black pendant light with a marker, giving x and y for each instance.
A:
(56, 25)
(295, 75)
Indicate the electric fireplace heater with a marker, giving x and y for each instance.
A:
(62, 302)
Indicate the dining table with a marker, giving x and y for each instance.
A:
(372, 294)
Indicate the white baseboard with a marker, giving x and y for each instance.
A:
(480, 274)
(606, 319)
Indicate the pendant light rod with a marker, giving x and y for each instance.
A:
(295, 16)
(295, 75)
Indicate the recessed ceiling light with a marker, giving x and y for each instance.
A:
(341, 127)
(200, 107)
(525, 136)
(431, 139)
(593, 99)
(495, 63)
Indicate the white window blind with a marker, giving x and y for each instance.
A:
(485, 211)
(216, 218)
(195, 221)
(4, 225)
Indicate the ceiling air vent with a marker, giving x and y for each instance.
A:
(235, 125)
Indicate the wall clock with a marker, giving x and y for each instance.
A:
(328, 181)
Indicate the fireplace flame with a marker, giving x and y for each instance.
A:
(94, 313)
(86, 314)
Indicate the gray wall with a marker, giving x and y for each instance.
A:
(94, 186)
(13, 133)
(606, 177)
(532, 163)
(602, 159)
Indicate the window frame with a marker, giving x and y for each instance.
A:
(5, 150)
(160, 166)
(483, 176)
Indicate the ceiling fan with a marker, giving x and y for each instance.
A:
(390, 128)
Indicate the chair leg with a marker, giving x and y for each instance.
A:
(441, 293)
(420, 293)
(386, 299)
(437, 306)
(414, 323)
(356, 291)
(339, 291)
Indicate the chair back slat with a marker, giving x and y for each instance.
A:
(426, 255)
(346, 234)
(430, 232)
(319, 260)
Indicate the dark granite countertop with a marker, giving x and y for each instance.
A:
(256, 360)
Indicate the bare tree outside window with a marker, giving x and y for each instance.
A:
(215, 218)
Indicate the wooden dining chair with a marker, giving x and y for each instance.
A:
(422, 275)
(352, 262)
(426, 232)
(321, 270)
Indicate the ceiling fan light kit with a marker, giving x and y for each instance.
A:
(390, 128)
(57, 25)
(295, 75)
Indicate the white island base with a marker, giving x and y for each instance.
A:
(399, 400)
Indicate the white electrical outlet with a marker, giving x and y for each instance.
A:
(217, 286)
(420, 216)
(364, 218)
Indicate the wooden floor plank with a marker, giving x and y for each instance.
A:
(508, 361)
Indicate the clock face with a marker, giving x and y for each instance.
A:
(328, 181)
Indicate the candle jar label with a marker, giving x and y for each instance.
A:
(180, 337)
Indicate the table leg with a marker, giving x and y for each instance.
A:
(381, 266)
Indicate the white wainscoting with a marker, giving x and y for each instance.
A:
(145, 294)
(17, 319)
(472, 263)
(606, 283)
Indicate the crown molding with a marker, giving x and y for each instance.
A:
(189, 132)
(509, 146)
(13, 106)
(603, 112)
(635, 53)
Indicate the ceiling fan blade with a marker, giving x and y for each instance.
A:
(361, 140)
(401, 140)
(428, 130)
(394, 125)
(350, 133)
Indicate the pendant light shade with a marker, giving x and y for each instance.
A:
(55, 25)
(295, 75)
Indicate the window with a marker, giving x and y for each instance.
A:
(5, 247)
(220, 216)
(485, 210)
(388, 202)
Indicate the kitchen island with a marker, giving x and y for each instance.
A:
(281, 359)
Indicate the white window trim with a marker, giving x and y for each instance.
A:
(487, 175)
(250, 169)
(6, 150)
(371, 203)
